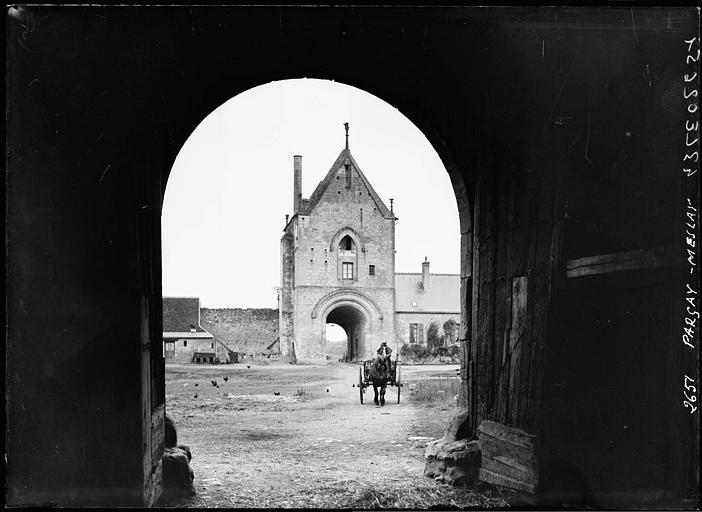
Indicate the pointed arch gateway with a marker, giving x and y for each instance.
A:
(357, 314)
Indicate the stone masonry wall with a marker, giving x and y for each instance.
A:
(242, 330)
(285, 295)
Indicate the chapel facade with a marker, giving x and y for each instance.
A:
(338, 266)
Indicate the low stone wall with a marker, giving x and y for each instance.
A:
(248, 331)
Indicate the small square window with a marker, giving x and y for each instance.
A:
(371, 270)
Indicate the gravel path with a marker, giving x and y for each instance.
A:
(311, 445)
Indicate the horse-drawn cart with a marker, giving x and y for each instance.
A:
(392, 377)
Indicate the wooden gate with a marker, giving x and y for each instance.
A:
(152, 352)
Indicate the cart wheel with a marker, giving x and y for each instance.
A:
(398, 383)
(360, 383)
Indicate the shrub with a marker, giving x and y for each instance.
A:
(449, 331)
(450, 351)
(414, 351)
(434, 341)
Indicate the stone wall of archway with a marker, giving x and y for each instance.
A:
(312, 329)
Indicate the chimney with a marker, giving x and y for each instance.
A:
(297, 186)
(426, 276)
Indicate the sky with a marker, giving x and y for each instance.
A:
(232, 185)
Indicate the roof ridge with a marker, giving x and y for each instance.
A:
(324, 184)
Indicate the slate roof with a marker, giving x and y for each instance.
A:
(443, 295)
(180, 314)
(307, 205)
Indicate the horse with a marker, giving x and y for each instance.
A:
(378, 373)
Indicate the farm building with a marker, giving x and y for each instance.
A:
(425, 299)
(184, 339)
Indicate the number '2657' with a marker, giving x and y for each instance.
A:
(691, 399)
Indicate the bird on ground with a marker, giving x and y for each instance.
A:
(248, 366)
(196, 384)
(195, 396)
(327, 390)
(214, 382)
(225, 378)
(276, 393)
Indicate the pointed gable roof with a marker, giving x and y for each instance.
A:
(309, 205)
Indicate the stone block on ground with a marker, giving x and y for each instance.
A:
(453, 463)
(178, 476)
(186, 449)
(458, 425)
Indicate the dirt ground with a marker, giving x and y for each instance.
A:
(285, 435)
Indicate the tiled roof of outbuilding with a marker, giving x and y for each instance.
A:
(180, 314)
(443, 295)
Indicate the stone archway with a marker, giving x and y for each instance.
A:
(354, 322)
(357, 314)
(114, 216)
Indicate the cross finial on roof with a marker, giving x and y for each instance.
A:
(346, 127)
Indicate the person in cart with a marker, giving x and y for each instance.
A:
(384, 354)
(384, 351)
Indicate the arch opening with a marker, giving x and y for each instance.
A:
(347, 244)
(349, 253)
(336, 339)
(354, 324)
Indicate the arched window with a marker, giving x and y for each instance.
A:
(347, 259)
(347, 244)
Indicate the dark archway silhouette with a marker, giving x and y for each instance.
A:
(555, 125)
